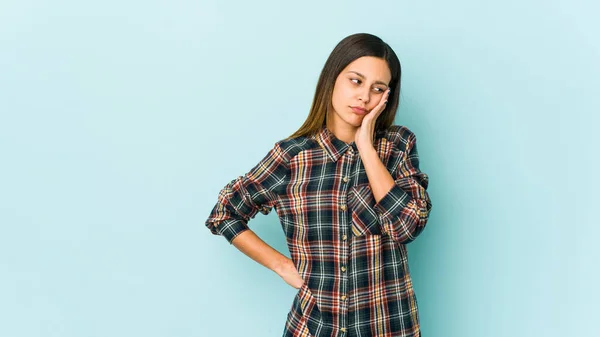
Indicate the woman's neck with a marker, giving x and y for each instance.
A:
(345, 133)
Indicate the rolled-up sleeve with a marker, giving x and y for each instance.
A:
(403, 212)
(256, 191)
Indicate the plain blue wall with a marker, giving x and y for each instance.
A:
(120, 121)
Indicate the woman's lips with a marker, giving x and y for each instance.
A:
(359, 110)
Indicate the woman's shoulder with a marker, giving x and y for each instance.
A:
(292, 146)
(399, 135)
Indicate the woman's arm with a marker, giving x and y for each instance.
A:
(258, 250)
(380, 179)
(402, 202)
(241, 199)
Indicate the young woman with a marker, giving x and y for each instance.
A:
(349, 194)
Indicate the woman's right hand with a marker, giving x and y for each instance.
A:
(290, 275)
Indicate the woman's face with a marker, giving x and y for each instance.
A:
(361, 84)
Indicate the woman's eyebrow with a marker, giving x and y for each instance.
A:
(363, 76)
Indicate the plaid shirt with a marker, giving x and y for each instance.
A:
(349, 249)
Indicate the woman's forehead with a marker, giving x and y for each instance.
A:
(372, 68)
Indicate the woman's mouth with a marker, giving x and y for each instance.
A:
(359, 110)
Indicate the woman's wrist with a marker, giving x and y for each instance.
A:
(281, 265)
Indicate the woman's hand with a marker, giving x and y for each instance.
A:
(290, 275)
(364, 135)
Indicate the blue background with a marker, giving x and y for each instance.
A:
(120, 121)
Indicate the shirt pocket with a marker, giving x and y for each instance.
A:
(365, 220)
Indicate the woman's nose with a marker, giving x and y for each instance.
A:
(365, 96)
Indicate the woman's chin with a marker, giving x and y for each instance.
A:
(356, 120)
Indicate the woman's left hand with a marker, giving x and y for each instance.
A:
(364, 135)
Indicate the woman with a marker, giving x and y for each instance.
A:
(349, 194)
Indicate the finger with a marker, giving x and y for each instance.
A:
(382, 102)
(386, 96)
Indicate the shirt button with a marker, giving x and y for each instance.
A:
(343, 329)
(343, 297)
(345, 179)
(344, 237)
(343, 268)
(343, 207)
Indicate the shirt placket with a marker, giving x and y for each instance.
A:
(346, 221)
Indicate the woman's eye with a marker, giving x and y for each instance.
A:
(357, 81)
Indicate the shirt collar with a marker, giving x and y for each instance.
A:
(335, 147)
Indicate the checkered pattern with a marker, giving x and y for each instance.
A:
(349, 249)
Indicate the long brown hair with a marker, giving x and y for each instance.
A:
(349, 49)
